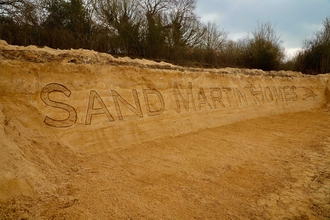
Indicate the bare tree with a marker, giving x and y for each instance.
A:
(154, 6)
(123, 19)
(315, 56)
(155, 27)
(186, 29)
(9, 6)
(264, 50)
(214, 38)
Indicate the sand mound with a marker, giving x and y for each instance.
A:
(89, 136)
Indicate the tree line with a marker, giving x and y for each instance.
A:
(161, 30)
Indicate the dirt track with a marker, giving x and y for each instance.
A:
(267, 168)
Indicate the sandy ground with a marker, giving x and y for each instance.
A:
(266, 168)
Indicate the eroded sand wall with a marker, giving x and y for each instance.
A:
(96, 107)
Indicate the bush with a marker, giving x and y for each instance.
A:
(264, 50)
(315, 56)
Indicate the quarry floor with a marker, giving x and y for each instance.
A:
(267, 168)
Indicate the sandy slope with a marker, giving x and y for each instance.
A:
(156, 162)
(273, 167)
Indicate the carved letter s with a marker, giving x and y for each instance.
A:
(44, 95)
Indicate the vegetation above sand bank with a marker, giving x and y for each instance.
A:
(160, 30)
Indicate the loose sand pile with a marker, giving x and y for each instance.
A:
(88, 136)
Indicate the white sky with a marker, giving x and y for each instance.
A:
(294, 20)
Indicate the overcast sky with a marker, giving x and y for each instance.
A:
(294, 20)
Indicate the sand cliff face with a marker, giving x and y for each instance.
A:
(57, 105)
(96, 102)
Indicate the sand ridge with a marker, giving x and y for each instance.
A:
(130, 102)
